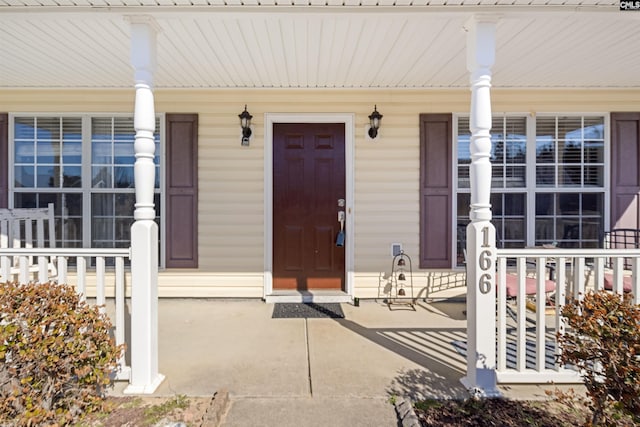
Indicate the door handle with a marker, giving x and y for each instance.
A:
(340, 236)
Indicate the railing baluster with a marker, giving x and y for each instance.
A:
(635, 280)
(502, 314)
(62, 270)
(541, 329)
(81, 271)
(100, 284)
(561, 292)
(618, 275)
(521, 315)
(4, 268)
(578, 277)
(120, 312)
(598, 273)
(43, 269)
(24, 269)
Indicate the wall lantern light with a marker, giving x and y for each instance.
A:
(245, 123)
(374, 122)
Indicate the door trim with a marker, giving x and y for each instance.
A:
(349, 139)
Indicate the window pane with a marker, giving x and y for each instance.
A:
(24, 176)
(463, 177)
(48, 176)
(72, 176)
(515, 204)
(123, 229)
(593, 151)
(125, 204)
(102, 205)
(545, 176)
(101, 128)
(48, 128)
(72, 152)
(24, 128)
(516, 176)
(545, 204)
(124, 177)
(102, 231)
(569, 176)
(569, 128)
(570, 152)
(545, 150)
(72, 129)
(123, 153)
(514, 232)
(101, 177)
(24, 152)
(463, 202)
(48, 151)
(101, 152)
(568, 204)
(25, 200)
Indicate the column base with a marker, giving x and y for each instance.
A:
(486, 384)
(146, 388)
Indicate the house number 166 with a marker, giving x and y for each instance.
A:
(484, 262)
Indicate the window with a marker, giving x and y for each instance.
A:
(548, 179)
(84, 165)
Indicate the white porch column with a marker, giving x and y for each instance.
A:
(144, 231)
(481, 240)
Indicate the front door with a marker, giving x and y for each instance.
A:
(308, 193)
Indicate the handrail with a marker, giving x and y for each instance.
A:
(70, 252)
(566, 252)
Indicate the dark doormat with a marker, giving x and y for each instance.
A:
(307, 310)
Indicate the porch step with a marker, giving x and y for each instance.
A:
(308, 296)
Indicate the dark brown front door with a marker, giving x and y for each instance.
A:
(308, 182)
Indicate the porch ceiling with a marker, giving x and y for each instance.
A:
(318, 44)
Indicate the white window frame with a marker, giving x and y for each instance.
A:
(530, 189)
(86, 190)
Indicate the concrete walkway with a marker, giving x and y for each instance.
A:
(311, 372)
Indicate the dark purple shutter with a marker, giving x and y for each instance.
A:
(625, 170)
(182, 191)
(4, 160)
(435, 190)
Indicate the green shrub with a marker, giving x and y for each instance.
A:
(603, 341)
(56, 355)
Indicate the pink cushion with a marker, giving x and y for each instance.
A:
(530, 285)
(608, 282)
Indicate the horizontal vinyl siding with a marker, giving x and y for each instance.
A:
(231, 201)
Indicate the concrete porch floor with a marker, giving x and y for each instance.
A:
(313, 372)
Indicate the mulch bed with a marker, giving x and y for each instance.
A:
(496, 412)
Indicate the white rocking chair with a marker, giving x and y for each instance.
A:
(26, 228)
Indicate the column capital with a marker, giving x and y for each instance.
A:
(144, 30)
(481, 42)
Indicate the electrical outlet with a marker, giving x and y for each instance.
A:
(396, 248)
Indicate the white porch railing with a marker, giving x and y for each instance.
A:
(526, 339)
(80, 273)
